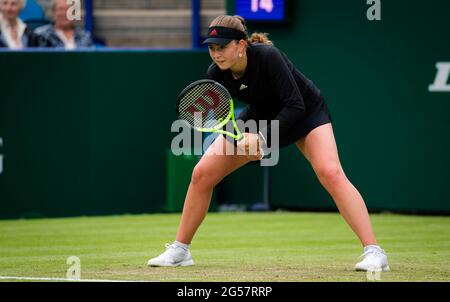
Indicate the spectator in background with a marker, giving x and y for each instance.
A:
(63, 32)
(14, 33)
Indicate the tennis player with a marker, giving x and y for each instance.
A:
(256, 72)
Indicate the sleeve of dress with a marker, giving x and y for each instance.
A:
(287, 92)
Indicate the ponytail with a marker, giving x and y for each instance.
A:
(260, 38)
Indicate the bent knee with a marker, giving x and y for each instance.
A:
(203, 176)
(331, 174)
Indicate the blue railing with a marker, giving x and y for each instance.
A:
(89, 17)
(196, 24)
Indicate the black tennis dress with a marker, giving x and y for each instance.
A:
(275, 90)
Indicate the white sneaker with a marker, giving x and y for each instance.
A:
(375, 260)
(173, 256)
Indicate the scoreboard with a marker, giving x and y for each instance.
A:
(273, 11)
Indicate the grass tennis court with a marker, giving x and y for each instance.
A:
(280, 246)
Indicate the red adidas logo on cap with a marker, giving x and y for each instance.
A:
(213, 32)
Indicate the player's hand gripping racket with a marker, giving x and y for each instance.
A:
(207, 106)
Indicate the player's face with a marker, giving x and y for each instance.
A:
(224, 56)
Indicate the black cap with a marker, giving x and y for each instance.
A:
(223, 35)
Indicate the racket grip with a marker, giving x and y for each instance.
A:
(263, 144)
(252, 139)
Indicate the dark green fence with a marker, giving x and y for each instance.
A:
(87, 133)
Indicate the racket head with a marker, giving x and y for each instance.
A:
(205, 105)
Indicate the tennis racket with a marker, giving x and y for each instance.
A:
(207, 106)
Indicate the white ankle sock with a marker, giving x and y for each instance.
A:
(182, 245)
(372, 247)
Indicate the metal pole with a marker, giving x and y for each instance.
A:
(89, 11)
(266, 187)
(196, 28)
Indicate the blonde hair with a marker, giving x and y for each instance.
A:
(237, 22)
(21, 3)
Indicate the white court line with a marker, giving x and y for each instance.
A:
(65, 279)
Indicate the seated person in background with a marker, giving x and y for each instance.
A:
(63, 33)
(14, 33)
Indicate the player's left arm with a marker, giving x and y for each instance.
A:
(282, 80)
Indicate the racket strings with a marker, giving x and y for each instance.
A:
(205, 105)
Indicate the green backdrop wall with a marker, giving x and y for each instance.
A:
(393, 134)
(87, 133)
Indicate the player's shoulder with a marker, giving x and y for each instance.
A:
(265, 50)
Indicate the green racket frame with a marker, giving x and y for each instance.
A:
(218, 128)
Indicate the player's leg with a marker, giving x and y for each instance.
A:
(210, 170)
(319, 147)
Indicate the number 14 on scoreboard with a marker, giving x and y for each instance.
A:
(266, 5)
